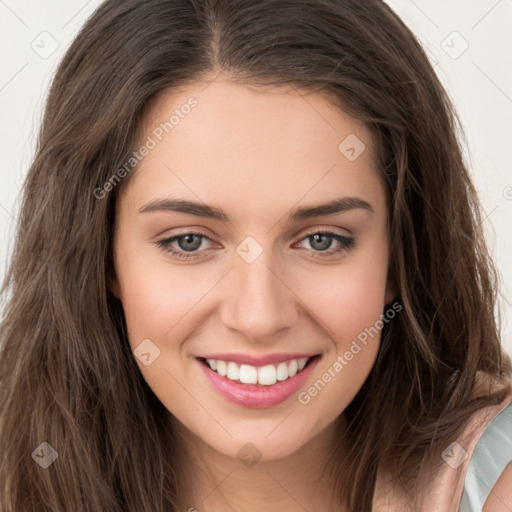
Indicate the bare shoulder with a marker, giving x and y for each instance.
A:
(500, 497)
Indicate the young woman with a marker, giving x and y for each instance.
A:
(250, 274)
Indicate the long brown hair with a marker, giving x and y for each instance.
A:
(67, 376)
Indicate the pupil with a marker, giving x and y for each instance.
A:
(324, 245)
(189, 244)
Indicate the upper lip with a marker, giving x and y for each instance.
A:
(257, 360)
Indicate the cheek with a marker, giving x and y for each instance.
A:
(349, 305)
(157, 297)
(348, 300)
(350, 311)
(157, 304)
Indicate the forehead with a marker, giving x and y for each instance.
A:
(252, 146)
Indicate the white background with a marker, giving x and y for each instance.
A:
(478, 79)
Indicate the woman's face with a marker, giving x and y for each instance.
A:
(264, 274)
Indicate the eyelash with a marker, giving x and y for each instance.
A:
(347, 243)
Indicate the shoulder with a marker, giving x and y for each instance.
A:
(454, 467)
(500, 497)
(488, 479)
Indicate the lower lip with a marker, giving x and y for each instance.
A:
(258, 396)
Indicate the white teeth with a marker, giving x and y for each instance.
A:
(264, 375)
(267, 375)
(293, 367)
(222, 368)
(248, 374)
(233, 372)
(282, 371)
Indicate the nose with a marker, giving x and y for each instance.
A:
(258, 302)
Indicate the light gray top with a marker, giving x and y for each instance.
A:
(490, 457)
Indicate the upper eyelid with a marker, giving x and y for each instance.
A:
(304, 235)
(305, 230)
(325, 231)
(328, 231)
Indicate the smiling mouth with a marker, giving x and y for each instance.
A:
(266, 375)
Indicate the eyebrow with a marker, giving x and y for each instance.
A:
(340, 205)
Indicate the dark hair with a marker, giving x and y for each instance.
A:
(67, 375)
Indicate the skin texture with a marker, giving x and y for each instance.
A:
(258, 154)
(500, 497)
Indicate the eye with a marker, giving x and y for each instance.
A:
(187, 245)
(322, 241)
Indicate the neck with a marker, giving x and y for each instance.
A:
(212, 481)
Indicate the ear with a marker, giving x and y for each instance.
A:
(391, 289)
(114, 287)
